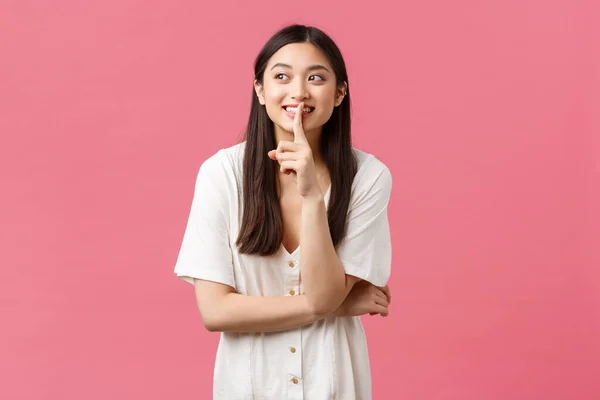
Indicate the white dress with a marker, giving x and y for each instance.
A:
(325, 360)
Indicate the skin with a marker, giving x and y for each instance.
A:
(304, 180)
(316, 88)
(290, 78)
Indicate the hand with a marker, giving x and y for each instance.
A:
(388, 295)
(296, 158)
(365, 298)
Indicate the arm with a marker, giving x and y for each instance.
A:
(224, 310)
(365, 298)
(325, 282)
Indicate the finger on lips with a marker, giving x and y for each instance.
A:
(285, 153)
(299, 136)
(298, 131)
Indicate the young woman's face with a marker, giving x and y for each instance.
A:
(299, 72)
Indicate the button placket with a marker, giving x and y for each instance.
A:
(293, 363)
(293, 337)
(291, 278)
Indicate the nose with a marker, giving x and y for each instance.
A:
(299, 92)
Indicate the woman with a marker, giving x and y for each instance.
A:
(287, 241)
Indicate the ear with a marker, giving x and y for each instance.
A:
(259, 92)
(340, 94)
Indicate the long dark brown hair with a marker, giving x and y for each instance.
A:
(261, 231)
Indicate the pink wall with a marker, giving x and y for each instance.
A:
(487, 115)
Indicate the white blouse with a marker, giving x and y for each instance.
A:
(327, 359)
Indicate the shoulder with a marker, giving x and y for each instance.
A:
(228, 159)
(371, 171)
(225, 158)
(233, 158)
(220, 170)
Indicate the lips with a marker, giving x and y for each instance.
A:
(292, 112)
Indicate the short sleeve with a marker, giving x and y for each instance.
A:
(205, 252)
(366, 250)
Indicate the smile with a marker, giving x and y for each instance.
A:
(291, 111)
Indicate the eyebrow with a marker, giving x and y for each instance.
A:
(311, 68)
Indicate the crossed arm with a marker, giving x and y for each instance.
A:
(326, 287)
(224, 310)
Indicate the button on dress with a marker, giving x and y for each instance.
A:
(325, 360)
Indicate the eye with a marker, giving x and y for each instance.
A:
(276, 76)
(318, 76)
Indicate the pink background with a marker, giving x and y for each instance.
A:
(487, 115)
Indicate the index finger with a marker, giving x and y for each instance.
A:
(298, 129)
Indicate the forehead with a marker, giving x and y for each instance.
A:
(299, 56)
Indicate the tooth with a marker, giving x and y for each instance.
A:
(293, 109)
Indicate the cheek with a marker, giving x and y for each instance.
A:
(274, 93)
(324, 115)
(326, 98)
(326, 103)
(273, 107)
(274, 99)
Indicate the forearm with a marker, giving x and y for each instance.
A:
(241, 313)
(322, 272)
